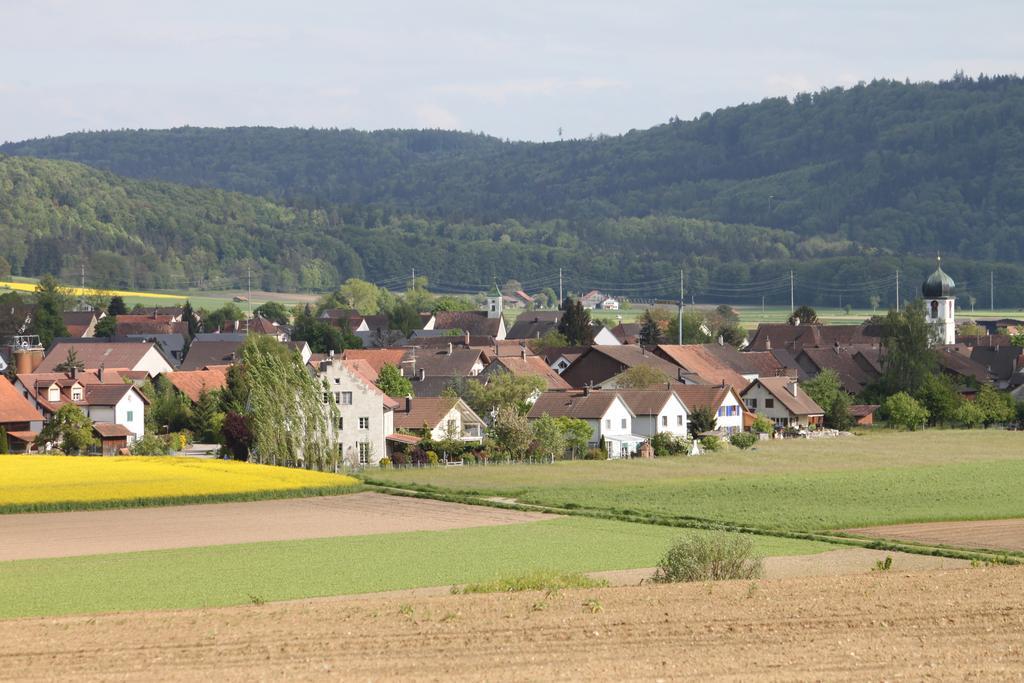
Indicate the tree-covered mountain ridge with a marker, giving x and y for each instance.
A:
(901, 167)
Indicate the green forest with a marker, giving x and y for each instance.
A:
(842, 186)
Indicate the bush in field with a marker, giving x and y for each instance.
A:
(713, 556)
(743, 440)
(384, 463)
(151, 444)
(904, 411)
(596, 454)
(537, 580)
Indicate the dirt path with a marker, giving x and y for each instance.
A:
(997, 534)
(946, 624)
(63, 534)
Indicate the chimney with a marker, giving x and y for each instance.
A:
(408, 404)
(330, 354)
(586, 390)
(450, 347)
(465, 339)
(767, 343)
(73, 372)
(423, 374)
(793, 389)
(99, 374)
(522, 352)
(721, 341)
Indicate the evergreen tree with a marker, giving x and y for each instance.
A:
(190, 319)
(116, 306)
(701, 420)
(575, 324)
(804, 315)
(650, 331)
(5, 447)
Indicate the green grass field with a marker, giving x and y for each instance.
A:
(809, 485)
(238, 574)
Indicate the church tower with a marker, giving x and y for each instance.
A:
(939, 293)
(494, 303)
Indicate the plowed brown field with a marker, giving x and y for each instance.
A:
(946, 624)
(995, 534)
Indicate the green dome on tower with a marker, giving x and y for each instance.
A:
(938, 285)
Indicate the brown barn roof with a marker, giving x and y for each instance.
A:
(377, 358)
(532, 366)
(705, 361)
(473, 322)
(702, 395)
(95, 354)
(108, 430)
(413, 413)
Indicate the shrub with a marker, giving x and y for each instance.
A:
(743, 440)
(665, 444)
(762, 425)
(384, 463)
(711, 444)
(969, 415)
(712, 556)
(904, 411)
(150, 444)
(432, 457)
(596, 454)
(538, 580)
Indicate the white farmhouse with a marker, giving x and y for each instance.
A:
(608, 415)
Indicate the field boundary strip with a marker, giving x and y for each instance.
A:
(702, 524)
(89, 291)
(163, 501)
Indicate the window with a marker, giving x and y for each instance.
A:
(76, 393)
(607, 424)
(769, 403)
(337, 380)
(664, 420)
(327, 397)
(346, 398)
(623, 423)
(679, 420)
(131, 415)
(364, 452)
(337, 397)
(364, 423)
(752, 403)
(450, 426)
(341, 450)
(341, 423)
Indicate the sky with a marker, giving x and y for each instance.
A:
(518, 69)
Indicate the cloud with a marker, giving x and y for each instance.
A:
(500, 92)
(435, 116)
(789, 84)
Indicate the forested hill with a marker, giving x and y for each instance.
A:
(905, 168)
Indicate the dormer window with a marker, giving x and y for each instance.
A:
(53, 394)
(76, 393)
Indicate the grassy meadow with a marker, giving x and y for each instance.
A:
(880, 477)
(283, 570)
(34, 483)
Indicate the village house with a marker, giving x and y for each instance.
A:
(534, 324)
(656, 411)
(19, 418)
(606, 412)
(517, 299)
(366, 414)
(710, 363)
(525, 364)
(781, 400)
(598, 364)
(440, 416)
(724, 402)
(592, 299)
(96, 353)
(80, 324)
(103, 395)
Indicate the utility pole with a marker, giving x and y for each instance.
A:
(682, 303)
(762, 307)
(248, 271)
(897, 290)
(991, 290)
(792, 306)
(560, 299)
(412, 285)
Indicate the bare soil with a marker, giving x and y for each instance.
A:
(997, 534)
(65, 534)
(950, 624)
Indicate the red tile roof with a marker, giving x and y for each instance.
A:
(14, 407)
(532, 366)
(193, 383)
(377, 358)
(703, 363)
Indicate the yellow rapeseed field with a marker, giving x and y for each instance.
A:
(40, 480)
(31, 287)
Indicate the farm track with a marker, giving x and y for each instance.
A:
(65, 534)
(946, 624)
